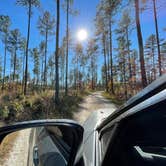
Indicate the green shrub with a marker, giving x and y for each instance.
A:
(4, 112)
(16, 109)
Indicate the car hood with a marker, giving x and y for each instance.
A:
(95, 119)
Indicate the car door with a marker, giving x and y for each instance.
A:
(135, 137)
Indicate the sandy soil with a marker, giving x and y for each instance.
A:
(16, 152)
(92, 103)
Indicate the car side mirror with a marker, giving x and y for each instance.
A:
(41, 142)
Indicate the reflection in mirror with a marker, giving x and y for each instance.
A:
(41, 146)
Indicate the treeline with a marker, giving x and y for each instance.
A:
(126, 68)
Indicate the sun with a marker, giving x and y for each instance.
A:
(82, 35)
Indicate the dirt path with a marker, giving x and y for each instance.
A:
(16, 154)
(92, 103)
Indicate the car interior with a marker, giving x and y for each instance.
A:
(140, 139)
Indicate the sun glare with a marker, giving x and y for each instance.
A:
(82, 34)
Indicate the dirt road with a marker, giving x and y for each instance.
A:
(92, 103)
(15, 151)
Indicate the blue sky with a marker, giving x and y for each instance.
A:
(87, 10)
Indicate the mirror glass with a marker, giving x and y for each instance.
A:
(41, 146)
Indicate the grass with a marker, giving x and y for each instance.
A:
(15, 107)
(113, 98)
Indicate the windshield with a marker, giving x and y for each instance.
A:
(69, 58)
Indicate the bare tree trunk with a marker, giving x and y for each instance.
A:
(57, 55)
(67, 47)
(23, 74)
(108, 58)
(92, 73)
(42, 67)
(157, 36)
(45, 60)
(153, 63)
(105, 64)
(14, 70)
(111, 60)
(27, 47)
(4, 67)
(124, 77)
(140, 44)
(77, 76)
(128, 49)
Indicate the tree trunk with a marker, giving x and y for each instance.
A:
(157, 36)
(67, 47)
(105, 64)
(77, 75)
(14, 70)
(111, 59)
(23, 74)
(4, 68)
(45, 60)
(128, 50)
(92, 72)
(57, 55)
(42, 73)
(140, 43)
(27, 47)
(153, 61)
(124, 77)
(108, 58)
(10, 70)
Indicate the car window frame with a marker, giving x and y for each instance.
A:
(100, 158)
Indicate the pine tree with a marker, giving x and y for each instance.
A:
(14, 41)
(28, 4)
(92, 49)
(140, 44)
(4, 29)
(57, 53)
(46, 23)
(36, 61)
(150, 54)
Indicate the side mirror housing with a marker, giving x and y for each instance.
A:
(49, 142)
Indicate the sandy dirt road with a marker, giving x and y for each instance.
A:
(92, 103)
(16, 151)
